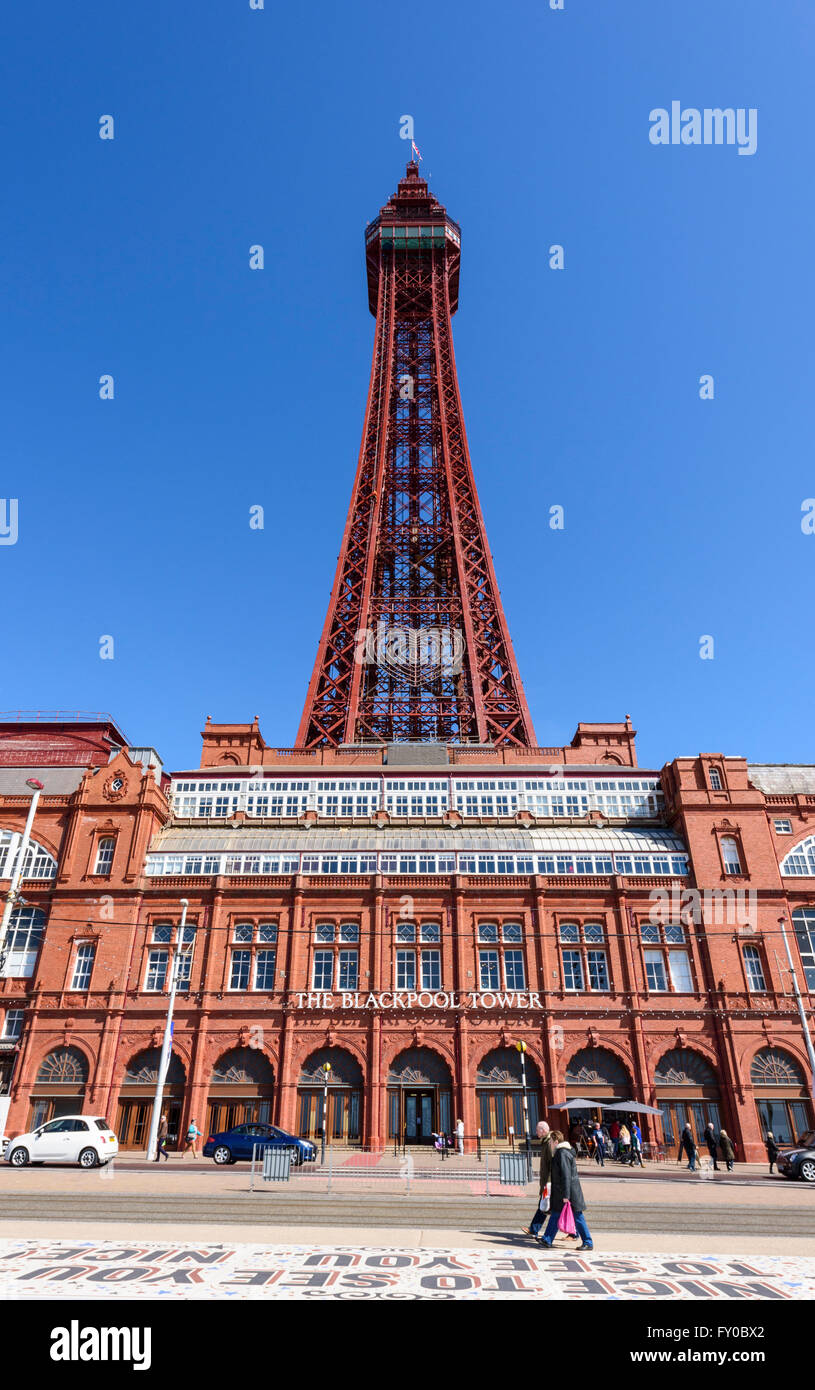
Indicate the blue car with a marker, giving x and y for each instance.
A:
(238, 1143)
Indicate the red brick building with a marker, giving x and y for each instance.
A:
(408, 913)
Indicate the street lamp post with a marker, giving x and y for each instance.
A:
(326, 1073)
(164, 1059)
(521, 1046)
(326, 1068)
(801, 1011)
(17, 873)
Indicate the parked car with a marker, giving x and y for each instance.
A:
(798, 1160)
(238, 1143)
(84, 1139)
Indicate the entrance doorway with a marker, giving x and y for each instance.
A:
(420, 1094)
(420, 1116)
(344, 1108)
(137, 1095)
(133, 1122)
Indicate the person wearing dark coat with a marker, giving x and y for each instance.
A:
(687, 1144)
(547, 1149)
(728, 1152)
(565, 1187)
(712, 1145)
(772, 1149)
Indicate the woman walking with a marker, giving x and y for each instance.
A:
(772, 1149)
(565, 1187)
(193, 1135)
(726, 1146)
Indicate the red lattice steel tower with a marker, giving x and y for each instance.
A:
(415, 645)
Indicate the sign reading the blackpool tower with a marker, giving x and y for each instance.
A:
(446, 1000)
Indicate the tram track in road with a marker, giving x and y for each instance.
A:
(276, 1208)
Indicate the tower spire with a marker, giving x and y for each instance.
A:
(415, 645)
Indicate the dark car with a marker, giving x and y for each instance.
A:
(238, 1143)
(798, 1160)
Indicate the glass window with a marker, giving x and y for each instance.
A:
(244, 931)
(405, 970)
(104, 856)
(13, 1023)
(655, 971)
(803, 919)
(265, 970)
(715, 779)
(679, 966)
(730, 855)
(569, 931)
(755, 974)
(241, 961)
(783, 827)
(405, 931)
(514, 969)
(323, 970)
(430, 931)
(487, 931)
(267, 931)
(598, 970)
(83, 966)
(572, 970)
(431, 969)
(488, 970)
(674, 933)
(649, 931)
(156, 971)
(513, 931)
(163, 933)
(349, 931)
(349, 970)
(593, 931)
(325, 931)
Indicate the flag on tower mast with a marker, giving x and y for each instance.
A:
(415, 149)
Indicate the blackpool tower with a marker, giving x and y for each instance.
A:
(415, 645)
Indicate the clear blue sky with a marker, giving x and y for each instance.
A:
(580, 387)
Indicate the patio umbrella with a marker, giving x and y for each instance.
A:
(580, 1105)
(632, 1107)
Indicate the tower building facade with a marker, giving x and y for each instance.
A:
(416, 885)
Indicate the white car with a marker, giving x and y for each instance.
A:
(84, 1139)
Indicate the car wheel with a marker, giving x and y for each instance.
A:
(222, 1155)
(88, 1158)
(19, 1157)
(807, 1170)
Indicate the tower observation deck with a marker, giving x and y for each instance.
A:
(415, 645)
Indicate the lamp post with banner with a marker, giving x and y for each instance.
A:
(521, 1046)
(164, 1059)
(326, 1070)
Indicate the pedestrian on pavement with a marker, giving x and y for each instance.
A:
(728, 1152)
(599, 1146)
(636, 1145)
(712, 1145)
(625, 1142)
(565, 1187)
(161, 1146)
(547, 1149)
(614, 1136)
(193, 1134)
(772, 1149)
(687, 1144)
(460, 1136)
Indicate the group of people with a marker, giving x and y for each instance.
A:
(191, 1142)
(718, 1146)
(455, 1143)
(622, 1142)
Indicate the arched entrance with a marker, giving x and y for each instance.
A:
(595, 1073)
(687, 1093)
(345, 1087)
(138, 1093)
(60, 1086)
(241, 1090)
(782, 1101)
(499, 1094)
(420, 1090)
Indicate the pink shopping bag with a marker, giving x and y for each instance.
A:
(565, 1221)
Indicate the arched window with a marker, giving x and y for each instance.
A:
(600, 1070)
(499, 1093)
(730, 855)
(803, 920)
(345, 1084)
(242, 1066)
(684, 1067)
(65, 1066)
(38, 862)
(142, 1070)
(774, 1067)
(104, 856)
(800, 862)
